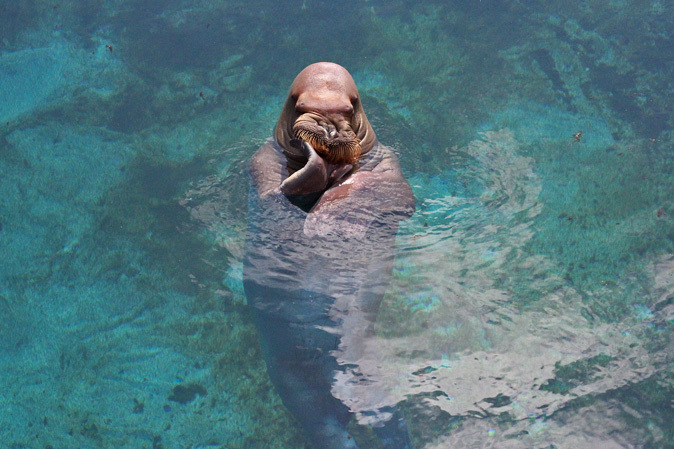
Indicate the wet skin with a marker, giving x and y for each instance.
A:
(319, 250)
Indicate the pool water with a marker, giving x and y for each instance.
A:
(532, 301)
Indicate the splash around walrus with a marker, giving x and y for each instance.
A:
(325, 202)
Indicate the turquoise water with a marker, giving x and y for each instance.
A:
(532, 301)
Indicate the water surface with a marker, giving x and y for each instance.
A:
(531, 304)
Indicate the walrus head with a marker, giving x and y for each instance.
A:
(323, 108)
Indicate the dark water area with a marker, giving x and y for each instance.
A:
(532, 296)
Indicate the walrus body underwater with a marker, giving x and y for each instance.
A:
(325, 203)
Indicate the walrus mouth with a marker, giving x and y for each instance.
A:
(340, 149)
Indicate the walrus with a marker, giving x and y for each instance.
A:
(324, 207)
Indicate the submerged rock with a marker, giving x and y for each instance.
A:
(186, 393)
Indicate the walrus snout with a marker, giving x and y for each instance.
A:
(332, 138)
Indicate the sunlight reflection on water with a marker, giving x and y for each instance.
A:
(477, 345)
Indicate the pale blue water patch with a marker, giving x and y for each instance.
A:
(51, 184)
(33, 79)
(28, 78)
(376, 85)
(538, 124)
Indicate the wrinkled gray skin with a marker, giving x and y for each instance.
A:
(319, 254)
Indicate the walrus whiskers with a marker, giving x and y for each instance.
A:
(344, 152)
(319, 143)
(334, 151)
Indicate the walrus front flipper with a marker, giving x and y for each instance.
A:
(316, 175)
(311, 178)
